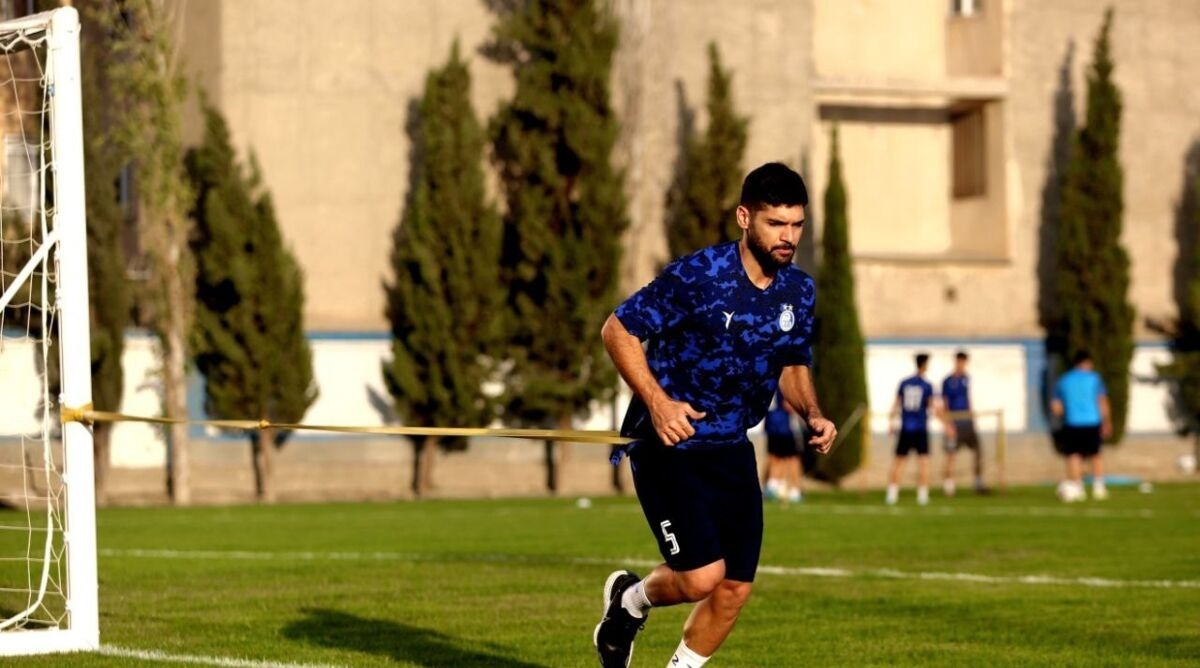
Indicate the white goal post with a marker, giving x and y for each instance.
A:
(48, 572)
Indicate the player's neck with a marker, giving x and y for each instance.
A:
(759, 275)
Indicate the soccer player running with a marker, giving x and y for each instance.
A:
(724, 326)
(914, 400)
(1081, 401)
(956, 393)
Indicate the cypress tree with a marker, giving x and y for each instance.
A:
(1092, 268)
(109, 291)
(146, 89)
(1184, 368)
(701, 202)
(249, 333)
(444, 302)
(839, 364)
(566, 207)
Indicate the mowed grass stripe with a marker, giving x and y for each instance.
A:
(765, 569)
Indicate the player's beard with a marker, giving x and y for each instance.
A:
(765, 254)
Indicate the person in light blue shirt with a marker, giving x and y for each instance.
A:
(1081, 402)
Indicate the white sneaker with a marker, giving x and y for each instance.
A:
(893, 495)
(795, 496)
(1070, 491)
(948, 487)
(1099, 491)
(922, 496)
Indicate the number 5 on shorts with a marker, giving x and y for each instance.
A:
(669, 537)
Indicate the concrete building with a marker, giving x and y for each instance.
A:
(952, 117)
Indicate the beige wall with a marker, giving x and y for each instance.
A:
(856, 39)
(1156, 47)
(320, 91)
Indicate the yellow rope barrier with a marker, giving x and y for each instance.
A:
(87, 415)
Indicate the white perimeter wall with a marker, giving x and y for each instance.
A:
(352, 390)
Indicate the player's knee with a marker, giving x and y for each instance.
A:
(733, 594)
(696, 585)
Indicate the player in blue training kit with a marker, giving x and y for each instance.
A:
(724, 327)
(956, 396)
(1081, 401)
(914, 400)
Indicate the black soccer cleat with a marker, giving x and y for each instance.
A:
(614, 634)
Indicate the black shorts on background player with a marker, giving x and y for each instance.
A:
(912, 440)
(782, 446)
(702, 505)
(1083, 441)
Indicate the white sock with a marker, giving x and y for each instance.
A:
(634, 600)
(686, 658)
(948, 487)
(922, 495)
(893, 493)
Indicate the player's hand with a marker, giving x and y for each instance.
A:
(672, 420)
(823, 434)
(951, 432)
(1106, 430)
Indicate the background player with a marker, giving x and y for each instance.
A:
(956, 395)
(724, 326)
(1081, 400)
(914, 400)
(785, 472)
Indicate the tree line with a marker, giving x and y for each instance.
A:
(508, 294)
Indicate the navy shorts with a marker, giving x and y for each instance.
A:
(782, 446)
(1083, 441)
(912, 440)
(702, 505)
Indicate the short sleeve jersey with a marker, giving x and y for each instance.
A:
(718, 342)
(956, 392)
(1080, 390)
(915, 395)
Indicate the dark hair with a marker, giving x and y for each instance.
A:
(960, 355)
(773, 184)
(922, 359)
(1081, 357)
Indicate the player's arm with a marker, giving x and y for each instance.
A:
(942, 410)
(798, 390)
(672, 419)
(894, 414)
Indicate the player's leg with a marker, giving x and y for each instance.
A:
(1099, 489)
(713, 618)
(923, 479)
(738, 517)
(948, 485)
(672, 500)
(903, 445)
(794, 475)
(921, 444)
(775, 486)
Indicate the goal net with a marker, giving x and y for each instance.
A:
(48, 586)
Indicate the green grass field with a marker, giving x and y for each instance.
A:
(516, 583)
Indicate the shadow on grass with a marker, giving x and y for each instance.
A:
(400, 642)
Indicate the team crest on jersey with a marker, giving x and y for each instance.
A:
(787, 319)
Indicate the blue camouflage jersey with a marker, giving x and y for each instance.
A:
(718, 342)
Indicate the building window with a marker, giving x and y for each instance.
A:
(966, 7)
(970, 164)
(20, 176)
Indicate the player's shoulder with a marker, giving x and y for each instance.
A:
(797, 279)
(707, 264)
